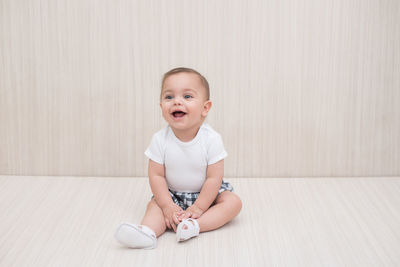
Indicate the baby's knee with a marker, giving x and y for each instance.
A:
(234, 201)
(237, 202)
(152, 203)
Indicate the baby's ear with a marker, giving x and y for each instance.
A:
(206, 108)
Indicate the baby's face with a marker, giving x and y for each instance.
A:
(183, 101)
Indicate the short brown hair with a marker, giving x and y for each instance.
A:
(188, 70)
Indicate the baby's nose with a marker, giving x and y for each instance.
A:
(178, 100)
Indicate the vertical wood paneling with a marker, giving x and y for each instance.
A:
(300, 88)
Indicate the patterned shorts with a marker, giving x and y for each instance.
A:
(185, 200)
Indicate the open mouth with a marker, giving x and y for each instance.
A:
(178, 114)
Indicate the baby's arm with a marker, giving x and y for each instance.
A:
(209, 191)
(159, 188)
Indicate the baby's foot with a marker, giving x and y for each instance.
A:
(136, 236)
(187, 229)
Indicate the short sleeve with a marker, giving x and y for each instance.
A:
(155, 151)
(216, 150)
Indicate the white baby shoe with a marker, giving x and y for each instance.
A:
(136, 236)
(187, 229)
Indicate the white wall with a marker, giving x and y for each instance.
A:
(300, 88)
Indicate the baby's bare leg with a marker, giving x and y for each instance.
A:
(227, 207)
(154, 218)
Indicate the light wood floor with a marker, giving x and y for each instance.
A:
(70, 221)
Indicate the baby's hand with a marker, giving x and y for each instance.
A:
(192, 212)
(171, 215)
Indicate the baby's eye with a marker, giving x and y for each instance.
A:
(187, 96)
(168, 97)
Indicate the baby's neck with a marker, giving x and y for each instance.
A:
(186, 135)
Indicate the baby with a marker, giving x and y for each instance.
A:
(186, 167)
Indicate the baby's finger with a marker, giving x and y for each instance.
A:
(177, 214)
(175, 219)
(173, 226)
(167, 223)
(187, 215)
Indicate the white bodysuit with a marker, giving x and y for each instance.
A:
(186, 162)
